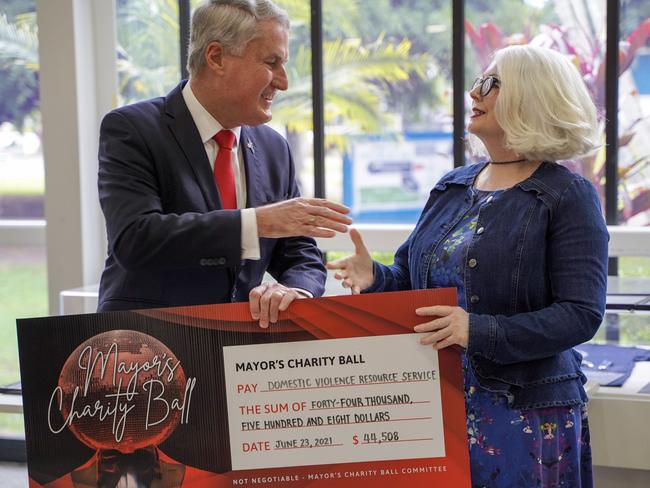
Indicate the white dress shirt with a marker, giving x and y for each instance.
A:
(208, 126)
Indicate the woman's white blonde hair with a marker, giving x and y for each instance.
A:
(543, 106)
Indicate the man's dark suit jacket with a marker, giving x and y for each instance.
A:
(169, 242)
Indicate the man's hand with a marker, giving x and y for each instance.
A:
(451, 327)
(313, 217)
(268, 299)
(356, 271)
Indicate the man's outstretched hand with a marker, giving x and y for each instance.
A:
(313, 217)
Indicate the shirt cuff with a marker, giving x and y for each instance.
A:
(303, 293)
(250, 243)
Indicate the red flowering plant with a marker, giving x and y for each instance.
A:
(589, 58)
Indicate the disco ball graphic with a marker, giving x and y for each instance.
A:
(136, 360)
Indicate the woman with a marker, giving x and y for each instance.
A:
(524, 241)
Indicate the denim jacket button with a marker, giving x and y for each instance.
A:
(480, 230)
(472, 263)
(474, 299)
(489, 199)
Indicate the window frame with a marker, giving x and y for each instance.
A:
(458, 86)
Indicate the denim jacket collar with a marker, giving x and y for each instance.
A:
(535, 182)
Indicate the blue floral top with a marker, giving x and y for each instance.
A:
(447, 264)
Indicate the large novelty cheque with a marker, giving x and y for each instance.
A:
(338, 393)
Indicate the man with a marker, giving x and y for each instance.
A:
(200, 199)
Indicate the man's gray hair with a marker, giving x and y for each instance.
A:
(233, 23)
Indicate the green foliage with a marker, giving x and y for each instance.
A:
(634, 267)
(633, 329)
(148, 57)
(366, 71)
(340, 18)
(362, 67)
(512, 16)
(23, 293)
(19, 98)
(14, 8)
(380, 257)
(355, 75)
(358, 75)
(12, 424)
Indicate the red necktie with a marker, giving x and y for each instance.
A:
(223, 174)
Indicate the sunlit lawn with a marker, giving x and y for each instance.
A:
(23, 293)
(21, 174)
(634, 267)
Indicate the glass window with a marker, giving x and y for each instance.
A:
(634, 114)
(23, 282)
(23, 293)
(490, 26)
(387, 75)
(148, 55)
(625, 328)
(292, 109)
(634, 267)
(22, 179)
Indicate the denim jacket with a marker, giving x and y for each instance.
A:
(535, 279)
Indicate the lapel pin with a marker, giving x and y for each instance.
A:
(250, 146)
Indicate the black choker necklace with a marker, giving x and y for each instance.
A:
(508, 162)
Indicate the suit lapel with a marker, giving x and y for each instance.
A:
(187, 136)
(254, 189)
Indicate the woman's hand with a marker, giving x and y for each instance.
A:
(356, 271)
(451, 327)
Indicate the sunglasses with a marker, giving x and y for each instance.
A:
(486, 84)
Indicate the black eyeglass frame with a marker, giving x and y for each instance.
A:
(487, 83)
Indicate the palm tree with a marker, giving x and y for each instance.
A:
(358, 76)
(148, 61)
(357, 79)
(18, 69)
